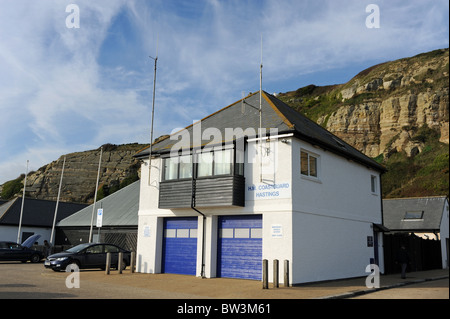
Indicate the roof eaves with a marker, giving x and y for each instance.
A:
(277, 111)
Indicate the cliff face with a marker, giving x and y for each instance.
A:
(396, 112)
(388, 125)
(380, 110)
(80, 173)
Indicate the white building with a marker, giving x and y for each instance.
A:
(299, 194)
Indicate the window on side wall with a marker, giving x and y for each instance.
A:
(309, 164)
(373, 184)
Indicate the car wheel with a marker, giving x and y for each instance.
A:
(74, 265)
(35, 258)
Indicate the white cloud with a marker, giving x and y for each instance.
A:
(52, 93)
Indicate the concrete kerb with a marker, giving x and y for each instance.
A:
(372, 290)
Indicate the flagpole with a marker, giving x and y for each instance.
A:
(95, 196)
(260, 114)
(153, 116)
(57, 202)
(21, 209)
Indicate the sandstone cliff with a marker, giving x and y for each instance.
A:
(380, 109)
(396, 112)
(80, 174)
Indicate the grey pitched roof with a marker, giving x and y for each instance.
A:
(275, 114)
(119, 209)
(394, 213)
(36, 212)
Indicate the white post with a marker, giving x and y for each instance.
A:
(95, 196)
(57, 202)
(23, 201)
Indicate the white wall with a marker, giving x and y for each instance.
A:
(9, 233)
(149, 241)
(276, 210)
(342, 189)
(278, 242)
(332, 217)
(149, 244)
(329, 248)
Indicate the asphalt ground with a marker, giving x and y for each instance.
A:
(33, 281)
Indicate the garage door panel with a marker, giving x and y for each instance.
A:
(180, 246)
(240, 247)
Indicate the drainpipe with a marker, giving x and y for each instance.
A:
(199, 212)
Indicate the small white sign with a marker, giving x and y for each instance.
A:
(146, 231)
(277, 231)
(99, 217)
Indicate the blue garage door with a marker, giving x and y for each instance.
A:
(180, 246)
(239, 250)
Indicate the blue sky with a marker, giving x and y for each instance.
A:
(65, 90)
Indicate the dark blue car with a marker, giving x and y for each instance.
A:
(11, 251)
(88, 255)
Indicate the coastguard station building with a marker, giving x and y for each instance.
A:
(257, 180)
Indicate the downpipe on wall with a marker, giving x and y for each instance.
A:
(202, 274)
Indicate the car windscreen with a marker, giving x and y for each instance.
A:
(77, 248)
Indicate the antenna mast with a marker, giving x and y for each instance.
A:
(260, 111)
(153, 115)
(260, 86)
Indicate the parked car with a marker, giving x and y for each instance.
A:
(11, 251)
(88, 255)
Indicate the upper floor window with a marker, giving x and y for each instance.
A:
(308, 164)
(177, 167)
(373, 184)
(214, 163)
(206, 164)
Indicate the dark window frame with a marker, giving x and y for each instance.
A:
(309, 156)
(234, 169)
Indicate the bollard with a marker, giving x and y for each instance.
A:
(265, 274)
(275, 273)
(286, 273)
(120, 263)
(133, 254)
(108, 263)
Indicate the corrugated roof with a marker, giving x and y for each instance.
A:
(119, 209)
(36, 212)
(395, 210)
(244, 114)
